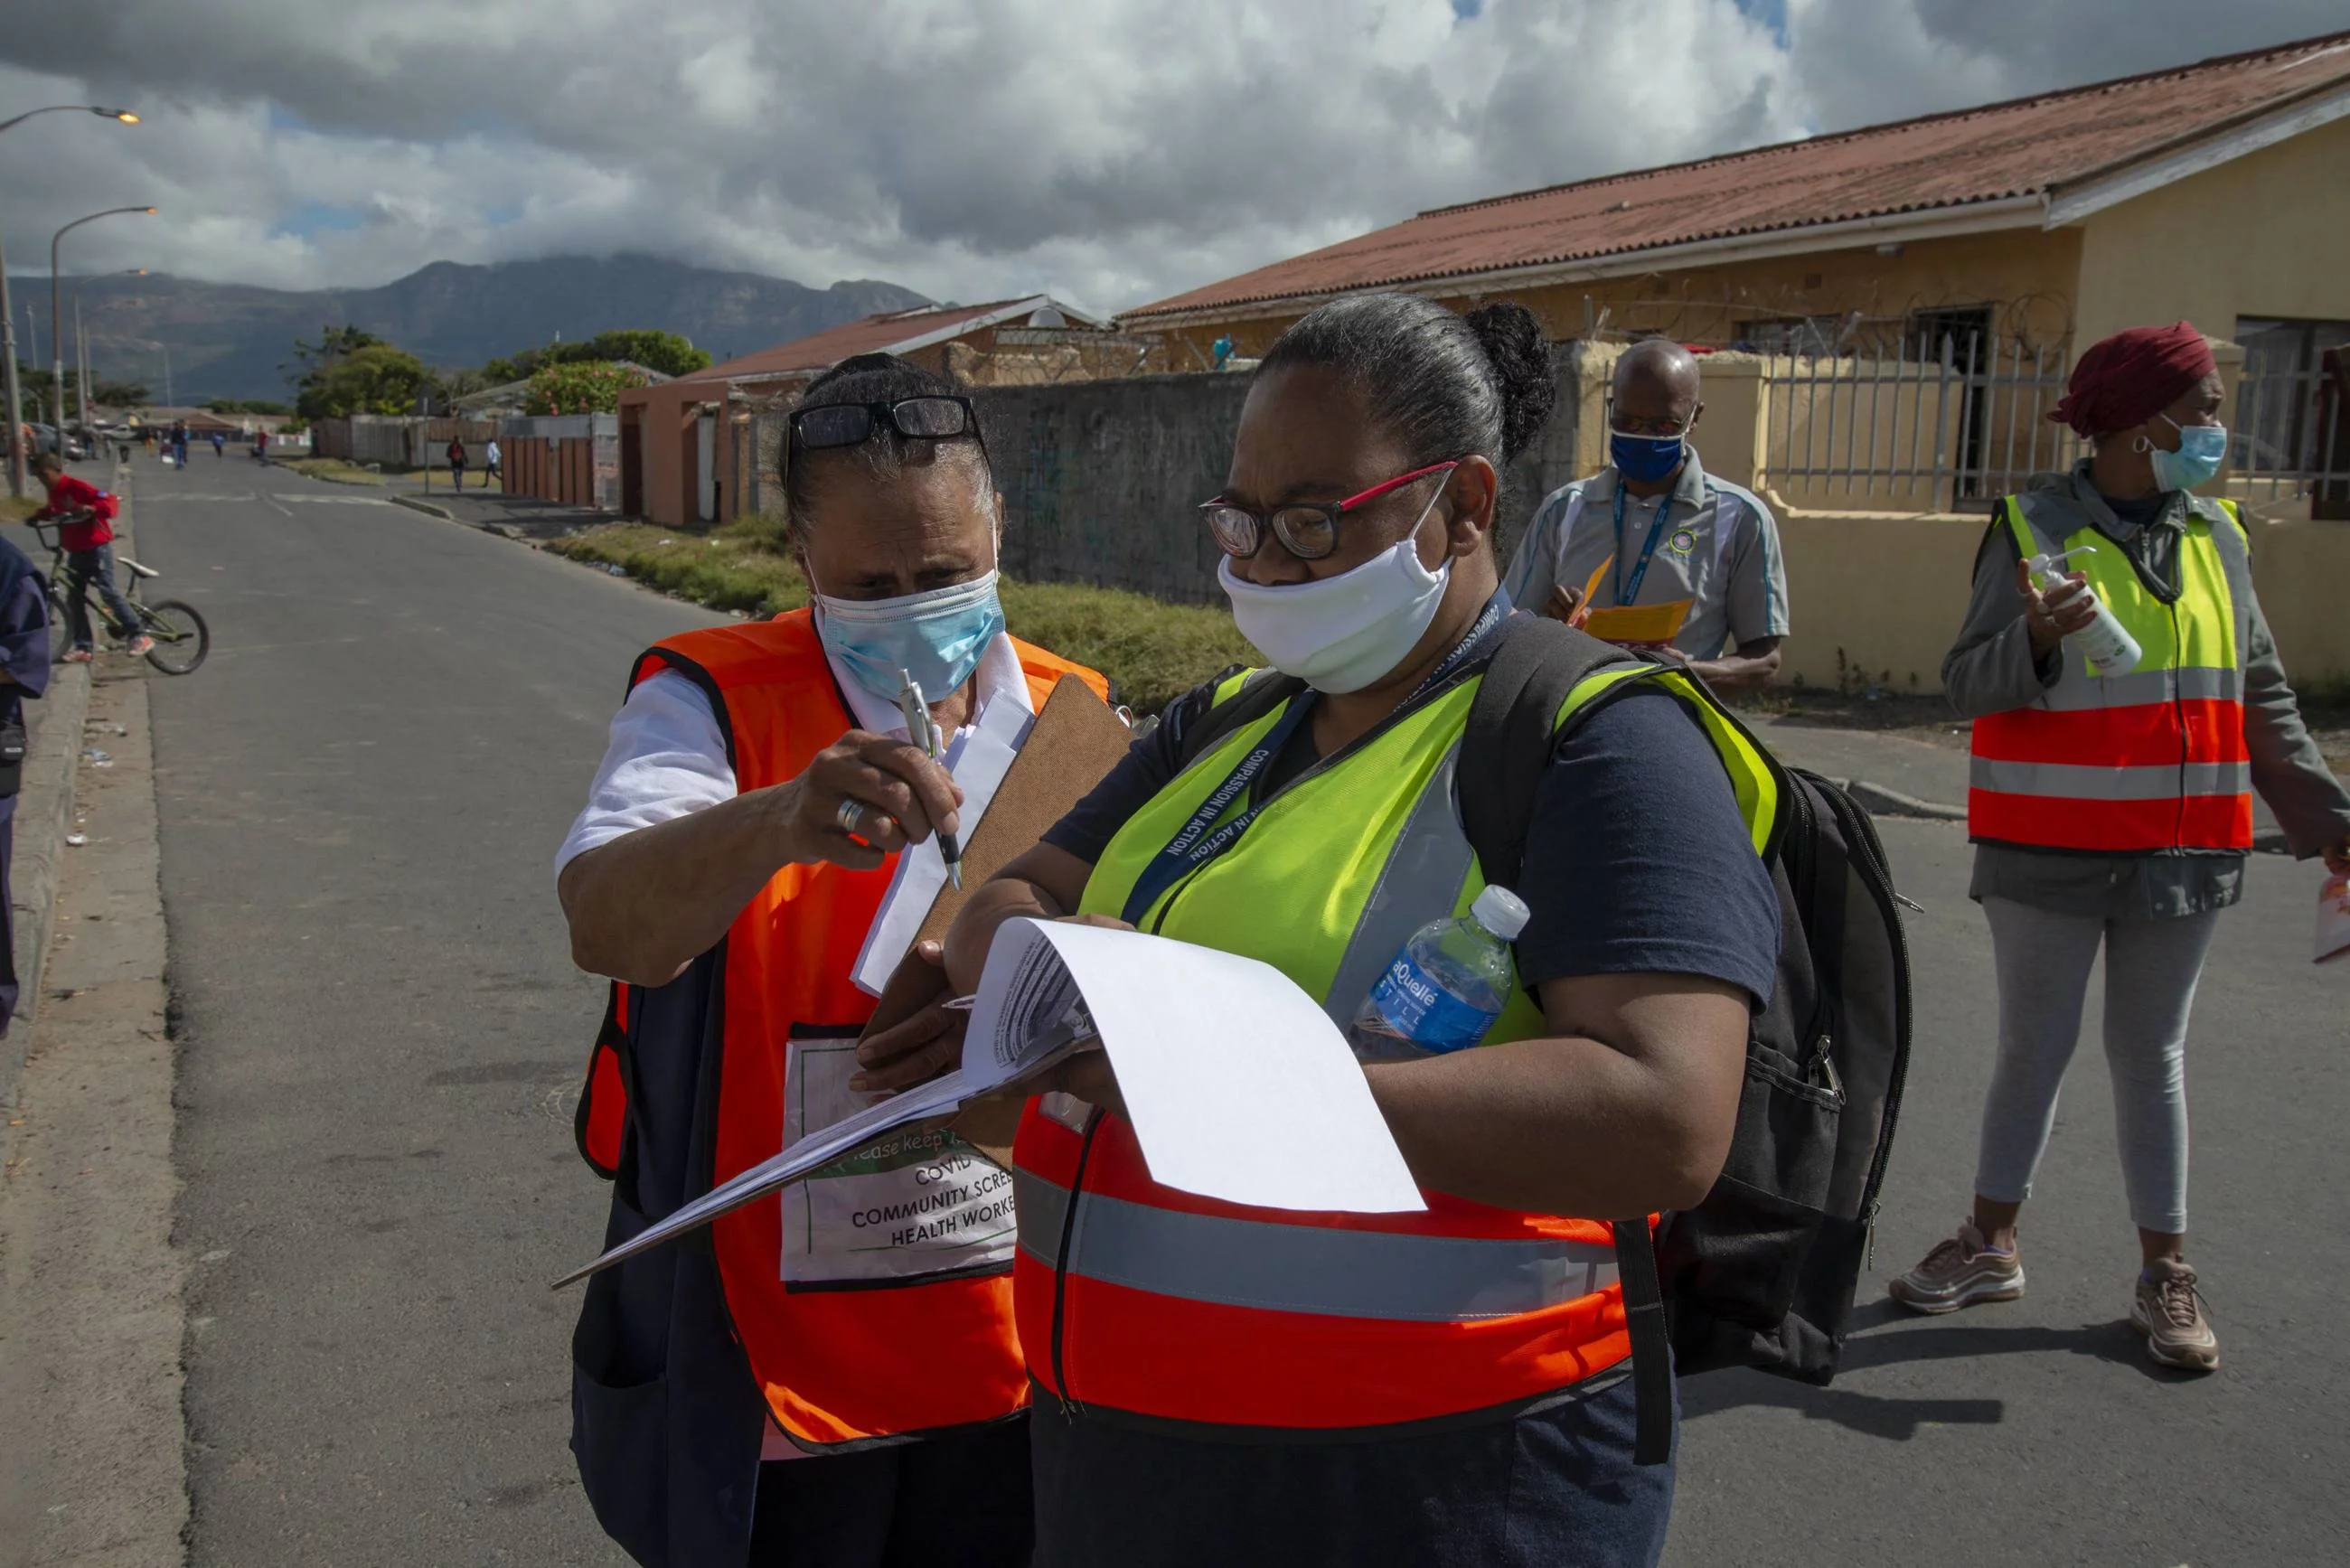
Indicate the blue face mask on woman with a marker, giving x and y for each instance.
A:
(937, 637)
(2202, 450)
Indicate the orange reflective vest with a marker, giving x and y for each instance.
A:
(1137, 1298)
(2150, 762)
(844, 1355)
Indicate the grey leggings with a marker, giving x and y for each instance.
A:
(2151, 967)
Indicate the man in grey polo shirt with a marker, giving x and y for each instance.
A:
(1664, 530)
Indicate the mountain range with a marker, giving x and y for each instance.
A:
(232, 340)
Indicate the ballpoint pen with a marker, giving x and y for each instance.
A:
(925, 734)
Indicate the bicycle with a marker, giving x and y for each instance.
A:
(181, 640)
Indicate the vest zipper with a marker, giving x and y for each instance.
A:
(1069, 1407)
(2186, 745)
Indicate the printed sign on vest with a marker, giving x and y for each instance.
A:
(913, 1205)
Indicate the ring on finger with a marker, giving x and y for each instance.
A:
(848, 812)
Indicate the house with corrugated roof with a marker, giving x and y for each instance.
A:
(690, 449)
(2219, 193)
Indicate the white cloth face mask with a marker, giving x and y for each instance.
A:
(1341, 634)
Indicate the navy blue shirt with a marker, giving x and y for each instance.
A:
(1637, 861)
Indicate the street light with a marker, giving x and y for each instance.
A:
(8, 314)
(56, 311)
(81, 346)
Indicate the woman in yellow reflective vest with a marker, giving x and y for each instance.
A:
(1221, 1384)
(2112, 807)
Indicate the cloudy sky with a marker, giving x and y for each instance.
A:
(1111, 151)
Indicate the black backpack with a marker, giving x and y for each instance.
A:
(1763, 1273)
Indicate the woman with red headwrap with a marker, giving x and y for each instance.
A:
(2111, 806)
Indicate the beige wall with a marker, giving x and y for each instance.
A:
(2302, 572)
(1876, 595)
(1887, 592)
(2266, 234)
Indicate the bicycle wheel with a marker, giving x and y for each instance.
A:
(181, 637)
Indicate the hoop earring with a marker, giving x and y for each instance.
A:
(2141, 445)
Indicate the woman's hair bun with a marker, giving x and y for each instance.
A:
(1513, 343)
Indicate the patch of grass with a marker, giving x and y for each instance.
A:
(1155, 651)
(17, 508)
(725, 570)
(332, 469)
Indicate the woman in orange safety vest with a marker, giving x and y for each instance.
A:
(832, 1377)
(2111, 804)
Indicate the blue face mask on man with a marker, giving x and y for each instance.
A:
(2202, 449)
(937, 637)
(1644, 458)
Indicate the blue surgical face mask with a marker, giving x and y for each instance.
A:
(2202, 450)
(1644, 460)
(937, 637)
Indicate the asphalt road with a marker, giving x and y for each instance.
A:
(381, 1038)
(381, 1031)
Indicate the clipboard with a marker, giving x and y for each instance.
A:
(1637, 625)
(1077, 738)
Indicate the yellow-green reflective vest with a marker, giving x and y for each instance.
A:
(1135, 1297)
(2152, 762)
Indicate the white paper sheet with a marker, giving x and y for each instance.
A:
(2332, 919)
(979, 759)
(1237, 1083)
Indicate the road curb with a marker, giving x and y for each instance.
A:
(1879, 801)
(43, 817)
(414, 504)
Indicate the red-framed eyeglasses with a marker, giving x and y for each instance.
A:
(1308, 532)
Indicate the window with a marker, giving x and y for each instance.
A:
(2284, 409)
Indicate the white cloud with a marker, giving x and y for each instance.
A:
(1113, 151)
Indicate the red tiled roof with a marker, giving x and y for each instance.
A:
(2023, 147)
(872, 335)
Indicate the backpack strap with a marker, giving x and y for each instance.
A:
(1513, 730)
(1256, 693)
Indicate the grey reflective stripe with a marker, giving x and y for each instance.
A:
(2078, 693)
(1420, 881)
(1315, 1269)
(2160, 781)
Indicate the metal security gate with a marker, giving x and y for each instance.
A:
(1947, 423)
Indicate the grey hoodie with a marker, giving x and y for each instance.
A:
(1990, 669)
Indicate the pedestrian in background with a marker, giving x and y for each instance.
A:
(490, 464)
(1653, 528)
(2114, 810)
(85, 517)
(220, 445)
(24, 672)
(456, 463)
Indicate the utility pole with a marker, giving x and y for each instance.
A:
(82, 360)
(15, 393)
(16, 458)
(57, 313)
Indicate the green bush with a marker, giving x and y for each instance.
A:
(1155, 651)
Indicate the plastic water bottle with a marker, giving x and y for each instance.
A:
(2105, 642)
(1446, 987)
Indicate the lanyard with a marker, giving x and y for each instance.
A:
(1202, 838)
(1624, 594)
